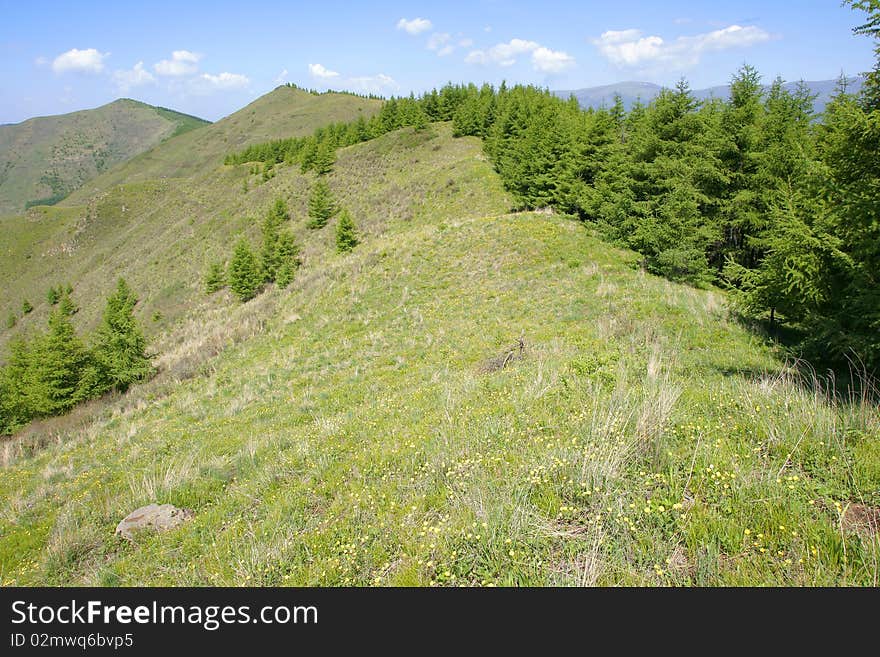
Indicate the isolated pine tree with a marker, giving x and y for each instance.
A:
(270, 259)
(346, 233)
(26, 307)
(66, 306)
(11, 320)
(52, 295)
(120, 346)
(321, 205)
(244, 276)
(288, 255)
(215, 279)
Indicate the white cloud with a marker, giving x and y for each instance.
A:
(414, 26)
(226, 81)
(282, 77)
(182, 62)
(502, 54)
(373, 83)
(466, 43)
(86, 61)
(318, 71)
(41, 61)
(543, 59)
(551, 61)
(135, 77)
(630, 49)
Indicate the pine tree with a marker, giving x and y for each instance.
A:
(419, 119)
(288, 255)
(321, 205)
(66, 306)
(743, 212)
(325, 157)
(667, 191)
(244, 273)
(26, 307)
(57, 361)
(11, 320)
(52, 295)
(309, 154)
(346, 233)
(270, 259)
(215, 279)
(870, 98)
(468, 119)
(16, 401)
(120, 346)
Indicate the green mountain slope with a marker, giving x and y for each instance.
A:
(159, 231)
(379, 423)
(42, 160)
(284, 112)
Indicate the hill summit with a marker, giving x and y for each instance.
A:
(43, 159)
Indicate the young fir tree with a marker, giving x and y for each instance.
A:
(26, 307)
(52, 296)
(325, 157)
(308, 154)
(244, 274)
(785, 162)
(321, 205)
(346, 233)
(66, 306)
(17, 400)
(418, 117)
(58, 359)
(11, 320)
(743, 213)
(120, 348)
(215, 279)
(270, 259)
(288, 255)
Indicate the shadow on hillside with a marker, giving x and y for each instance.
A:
(844, 379)
(853, 386)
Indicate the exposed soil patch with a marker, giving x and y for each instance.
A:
(861, 519)
(515, 352)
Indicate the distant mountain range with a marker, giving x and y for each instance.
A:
(631, 92)
(43, 159)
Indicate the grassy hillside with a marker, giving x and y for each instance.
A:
(285, 112)
(377, 422)
(42, 160)
(159, 231)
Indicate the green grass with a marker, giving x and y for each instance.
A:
(42, 160)
(348, 430)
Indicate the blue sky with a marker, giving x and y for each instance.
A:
(210, 59)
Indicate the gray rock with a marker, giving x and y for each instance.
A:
(156, 517)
